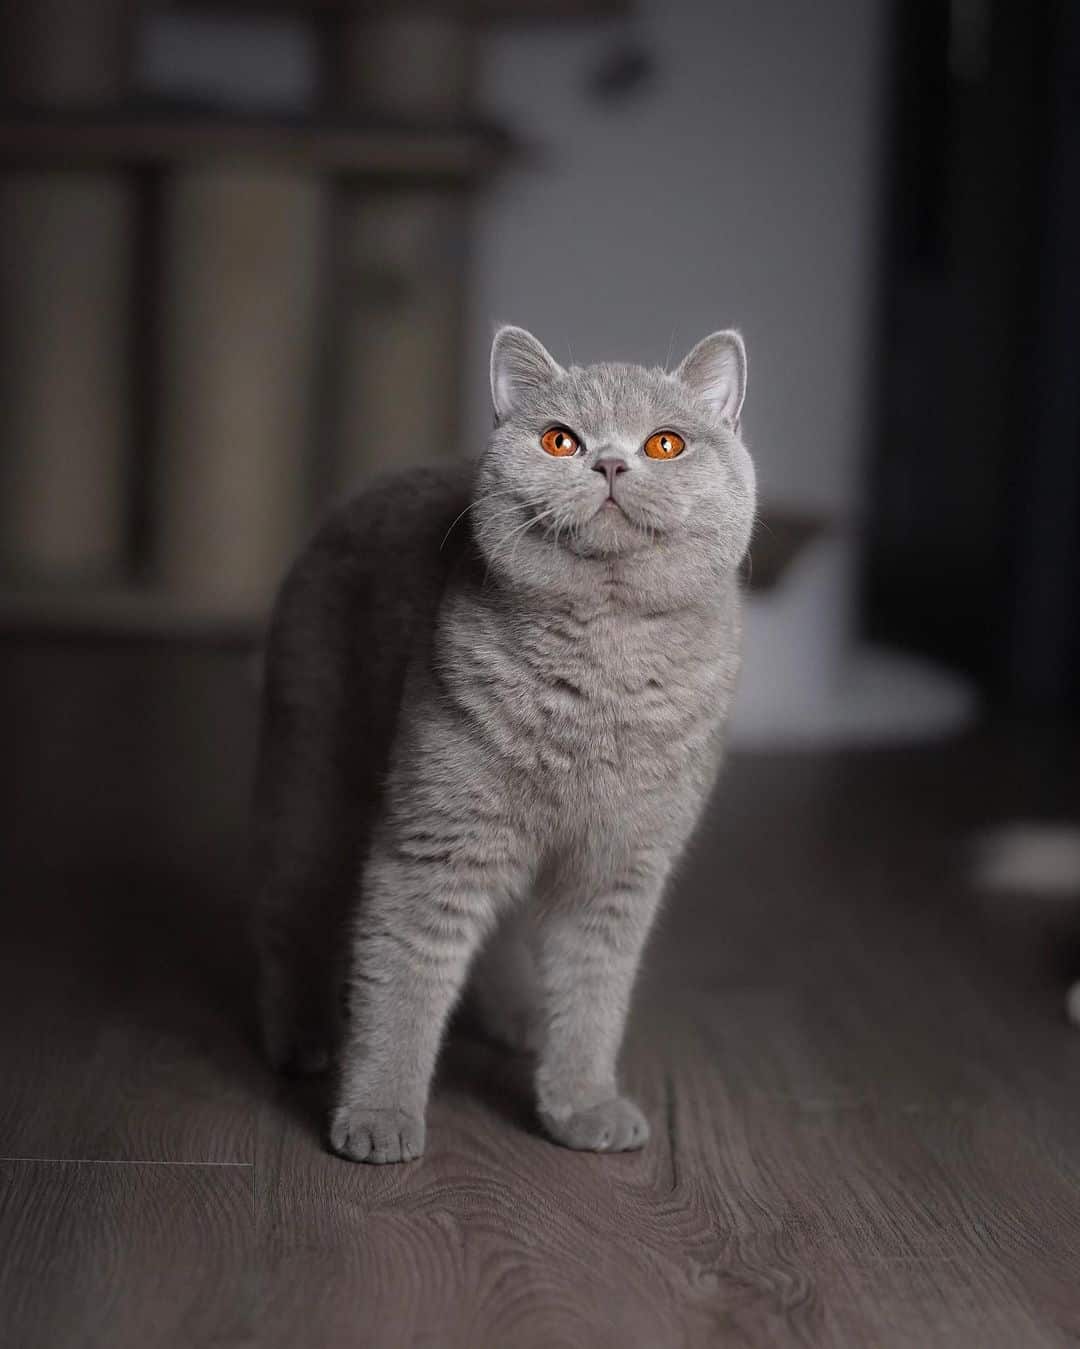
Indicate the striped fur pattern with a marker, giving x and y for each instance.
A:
(494, 707)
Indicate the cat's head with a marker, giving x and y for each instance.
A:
(609, 461)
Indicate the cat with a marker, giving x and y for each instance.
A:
(495, 697)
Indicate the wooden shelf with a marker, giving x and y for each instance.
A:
(125, 613)
(484, 11)
(75, 140)
(143, 611)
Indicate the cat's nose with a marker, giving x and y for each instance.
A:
(612, 468)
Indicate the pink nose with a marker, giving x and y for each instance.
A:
(612, 468)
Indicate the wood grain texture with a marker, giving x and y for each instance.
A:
(123, 985)
(862, 1091)
(80, 1238)
(382, 153)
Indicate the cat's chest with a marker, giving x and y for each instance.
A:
(612, 696)
(589, 700)
(608, 666)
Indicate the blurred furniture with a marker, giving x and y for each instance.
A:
(972, 551)
(241, 260)
(212, 320)
(66, 266)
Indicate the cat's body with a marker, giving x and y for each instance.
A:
(495, 703)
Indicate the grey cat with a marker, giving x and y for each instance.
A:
(495, 698)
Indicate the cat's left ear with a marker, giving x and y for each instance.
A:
(519, 362)
(716, 372)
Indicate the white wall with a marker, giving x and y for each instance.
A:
(738, 187)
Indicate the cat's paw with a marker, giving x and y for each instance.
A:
(365, 1135)
(612, 1126)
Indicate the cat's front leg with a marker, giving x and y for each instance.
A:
(589, 954)
(421, 921)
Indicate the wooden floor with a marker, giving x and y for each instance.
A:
(865, 1101)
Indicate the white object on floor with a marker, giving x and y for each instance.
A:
(1034, 859)
(1029, 857)
(806, 684)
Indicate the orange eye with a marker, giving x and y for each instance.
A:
(560, 442)
(664, 445)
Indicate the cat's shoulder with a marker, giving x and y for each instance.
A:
(384, 550)
(396, 516)
(401, 505)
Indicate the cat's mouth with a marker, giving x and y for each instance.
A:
(611, 511)
(620, 526)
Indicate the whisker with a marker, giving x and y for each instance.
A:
(471, 506)
(487, 496)
(517, 531)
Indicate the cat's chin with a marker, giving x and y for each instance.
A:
(613, 531)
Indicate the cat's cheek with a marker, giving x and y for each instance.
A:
(741, 507)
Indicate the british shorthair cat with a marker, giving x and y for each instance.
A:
(495, 701)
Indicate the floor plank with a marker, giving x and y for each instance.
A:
(125, 1256)
(862, 1091)
(111, 1043)
(497, 1237)
(124, 982)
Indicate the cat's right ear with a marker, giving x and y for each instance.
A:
(518, 363)
(716, 372)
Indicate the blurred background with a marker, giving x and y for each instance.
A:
(251, 252)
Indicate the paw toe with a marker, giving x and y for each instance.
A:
(377, 1136)
(612, 1126)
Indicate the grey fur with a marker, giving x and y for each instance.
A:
(494, 707)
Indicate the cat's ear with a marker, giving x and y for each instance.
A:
(716, 372)
(518, 363)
